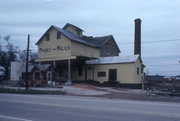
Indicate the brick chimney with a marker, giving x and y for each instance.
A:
(137, 37)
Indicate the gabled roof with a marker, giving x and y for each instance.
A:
(88, 40)
(30, 68)
(68, 24)
(99, 41)
(67, 34)
(43, 67)
(70, 35)
(114, 60)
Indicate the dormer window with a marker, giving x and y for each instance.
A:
(79, 33)
(58, 35)
(47, 37)
(73, 29)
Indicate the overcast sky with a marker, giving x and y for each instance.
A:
(160, 21)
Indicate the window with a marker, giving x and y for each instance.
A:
(80, 70)
(79, 33)
(37, 75)
(59, 35)
(137, 70)
(47, 37)
(101, 74)
(142, 69)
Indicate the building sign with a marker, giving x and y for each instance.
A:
(62, 48)
(58, 48)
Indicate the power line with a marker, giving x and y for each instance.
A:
(153, 41)
(165, 65)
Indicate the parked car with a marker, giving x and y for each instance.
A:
(2, 75)
(166, 78)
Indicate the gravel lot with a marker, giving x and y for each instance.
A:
(131, 94)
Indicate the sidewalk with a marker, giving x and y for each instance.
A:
(33, 88)
(83, 91)
(73, 90)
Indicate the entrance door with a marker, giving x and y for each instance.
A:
(49, 77)
(112, 75)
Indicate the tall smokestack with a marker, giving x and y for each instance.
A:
(137, 37)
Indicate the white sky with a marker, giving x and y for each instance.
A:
(160, 21)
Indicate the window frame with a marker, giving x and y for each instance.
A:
(137, 70)
(101, 74)
(47, 37)
(58, 35)
(142, 69)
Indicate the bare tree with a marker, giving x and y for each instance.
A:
(32, 56)
(8, 53)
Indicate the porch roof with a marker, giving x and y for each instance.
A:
(54, 59)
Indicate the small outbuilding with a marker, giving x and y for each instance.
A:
(127, 71)
(39, 75)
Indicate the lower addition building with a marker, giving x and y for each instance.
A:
(75, 57)
(127, 71)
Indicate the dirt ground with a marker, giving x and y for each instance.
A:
(130, 94)
(81, 89)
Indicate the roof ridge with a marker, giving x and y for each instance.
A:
(74, 37)
(103, 36)
(67, 24)
(88, 40)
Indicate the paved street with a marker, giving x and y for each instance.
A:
(73, 108)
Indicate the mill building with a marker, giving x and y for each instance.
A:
(67, 55)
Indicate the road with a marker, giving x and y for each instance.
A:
(14, 107)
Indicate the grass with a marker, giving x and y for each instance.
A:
(30, 91)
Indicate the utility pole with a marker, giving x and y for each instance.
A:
(27, 56)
